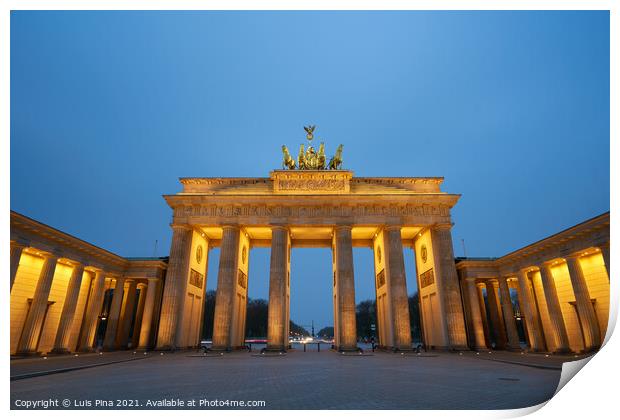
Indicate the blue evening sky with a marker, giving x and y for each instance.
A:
(108, 109)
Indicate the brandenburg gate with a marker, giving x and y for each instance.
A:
(311, 203)
(69, 295)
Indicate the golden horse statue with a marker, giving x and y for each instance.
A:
(336, 161)
(301, 160)
(321, 160)
(309, 159)
(288, 161)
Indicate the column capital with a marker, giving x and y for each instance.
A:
(44, 254)
(18, 244)
(573, 257)
(603, 245)
(78, 264)
(342, 227)
(231, 226)
(113, 275)
(549, 263)
(392, 227)
(279, 227)
(180, 226)
(442, 226)
(471, 279)
(524, 271)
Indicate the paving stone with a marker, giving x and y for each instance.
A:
(309, 380)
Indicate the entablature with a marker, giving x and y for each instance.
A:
(586, 236)
(306, 210)
(39, 237)
(45, 238)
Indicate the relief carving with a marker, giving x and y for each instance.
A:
(312, 184)
(312, 211)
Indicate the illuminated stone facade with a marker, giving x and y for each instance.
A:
(68, 295)
(550, 296)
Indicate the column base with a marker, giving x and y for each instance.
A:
(402, 350)
(513, 348)
(167, 348)
(274, 349)
(280, 350)
(395, 349)
(459, 348)
(221, 349)
(450, 348)
(28, 354)
(348, 349)
(60, 351)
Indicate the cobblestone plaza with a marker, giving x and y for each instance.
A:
(297, 380)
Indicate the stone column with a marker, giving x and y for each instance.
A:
(63, 333)
(122, 338)
(137, 324)
(277, 339)
(530, 312)
(558, 328)
(476, 316)
(109, 341)
(496, 316)
(509, 315)
(36, 315)
(226, 284)
(93, 308)
(175, 287)
(397, 284)
(448, 286)
(587, 315)
(147, 316)
(346, 289)
(16, 254)
(483, 312)
(604, 251)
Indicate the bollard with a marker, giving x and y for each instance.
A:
(318, 346)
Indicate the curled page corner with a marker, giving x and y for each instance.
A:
(569, 370)
(521, 412)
